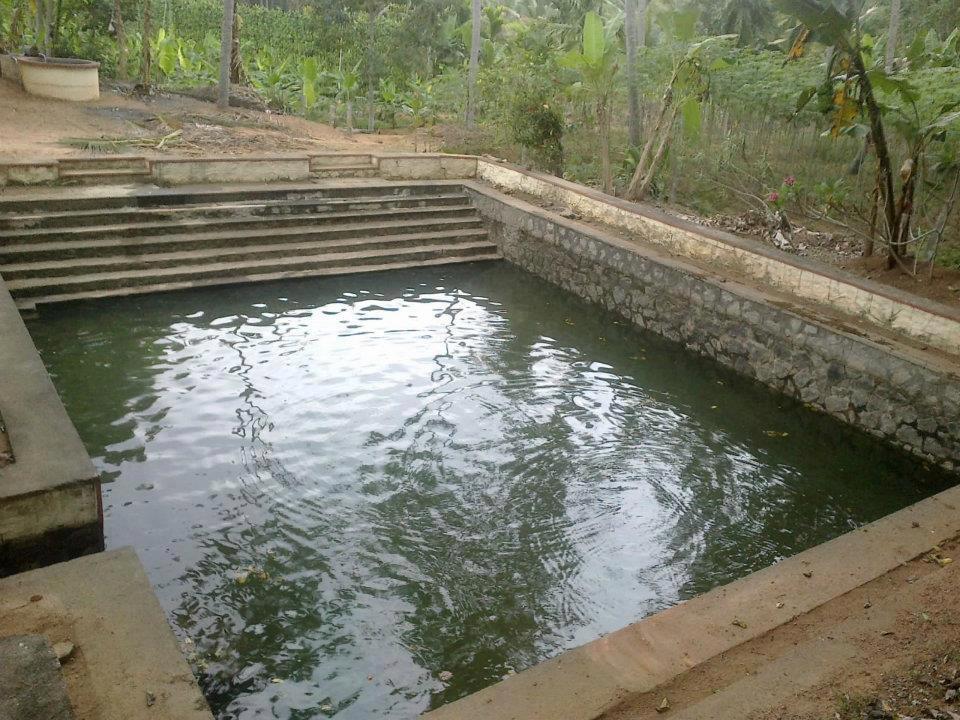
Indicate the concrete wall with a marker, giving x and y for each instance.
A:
(50, 507)
(901, 395)
(932, 323)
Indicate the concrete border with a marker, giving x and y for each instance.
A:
(586, 682)
(50, 505)
(127, 664)
(925, 320)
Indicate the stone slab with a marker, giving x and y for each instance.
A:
(31, 685)
(126, 663)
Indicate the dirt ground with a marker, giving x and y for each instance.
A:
(124, 122)
(889, 650)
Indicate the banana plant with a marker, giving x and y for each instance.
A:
(684, 95)
(348, 87)
(862, 99)
(597, 64)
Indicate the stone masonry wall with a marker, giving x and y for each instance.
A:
(883, 392)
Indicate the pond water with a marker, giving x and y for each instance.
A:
(345, 488)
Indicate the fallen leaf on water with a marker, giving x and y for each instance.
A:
(739, 623)
(775, 433)
(779, 605)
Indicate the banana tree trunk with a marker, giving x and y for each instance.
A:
(639, 173)
(644, 188)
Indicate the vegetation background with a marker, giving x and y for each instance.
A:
(753, 108)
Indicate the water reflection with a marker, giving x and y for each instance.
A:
(342, 488)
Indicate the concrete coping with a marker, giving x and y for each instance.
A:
(127, 664)
(229, 159)
(59, 63)
(806, 264)
(47, 448)
(584, 683)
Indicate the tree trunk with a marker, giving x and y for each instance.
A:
(474, 65)
(236, 64)
(350, 115)
(121, 38)
(226, 54)
(146, 61)
(633, 93)
(603, 118)
(642, 6)
(371, 70)
(884, 166)
(893, 35)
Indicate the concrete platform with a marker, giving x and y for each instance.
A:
(126, 664)
(50, 506)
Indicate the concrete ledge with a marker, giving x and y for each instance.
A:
(50, 507)
(925, 320)
(127, 665)
(584, 683)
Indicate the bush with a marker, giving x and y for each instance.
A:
(537, 125)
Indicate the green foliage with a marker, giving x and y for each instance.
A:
(537, 125)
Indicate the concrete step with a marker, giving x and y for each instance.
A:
(140, 197)
(41, 251)
(346, 171)
(27, 304)
(320, 161)
(53, 269)
(241, 270)
(238, 221)
(75, 218)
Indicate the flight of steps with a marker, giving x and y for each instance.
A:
(82, 246)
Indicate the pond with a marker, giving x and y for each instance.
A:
(366, 496)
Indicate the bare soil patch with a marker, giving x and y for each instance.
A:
(165, 123)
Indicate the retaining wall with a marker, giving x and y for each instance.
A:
(905, 397)
(927, 321)
(50, 506)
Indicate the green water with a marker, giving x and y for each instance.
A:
(342, 488)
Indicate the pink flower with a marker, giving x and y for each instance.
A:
(773, 197)
(790, 181)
